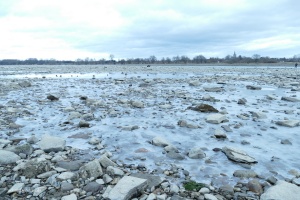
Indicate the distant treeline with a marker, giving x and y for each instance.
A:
(200, 59)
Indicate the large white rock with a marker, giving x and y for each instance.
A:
(288, 123)
(126, 188)
(16, 188)
(50, 143)
(238, 155)
(282, 190)
(159, 141)
(69, 197)
(210, 197)
(8, 157)
(215, 118)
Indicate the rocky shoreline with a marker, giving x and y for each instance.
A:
(41, 121)
(55, 171)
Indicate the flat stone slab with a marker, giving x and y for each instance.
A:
(127, 187)
(16, 188)
(238, 155)
(51, 143)
(8, 157)
(215, 118)
(282, 190)
(288, 123)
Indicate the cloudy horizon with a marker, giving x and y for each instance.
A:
(67, 30)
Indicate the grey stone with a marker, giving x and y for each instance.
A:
(37, 191)
(196, 153)
(205, 108)
(282, 190)
(105, 162)
(35, 167)
(215, 118)
(69, 197)
(175, 155)
(17, 187)
(288, 123)
(291, 99)
(93, 187)
(245, 174)
(255, 186)
(258, 115)
(159, 141)
(66, 186)
(50, 143)
(66, 176)
(25, 148)
(153, 181)
(238, 155)
(210, 197)
(70, 165)
(113, 171)
(91, 169)
(8, 157)
(214, 89)
(127, 187)
(252, 87)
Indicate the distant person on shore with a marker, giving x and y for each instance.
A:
(296, 64)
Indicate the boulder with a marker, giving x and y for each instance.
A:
(215, 118)
(50, 143)
(282, 190)
(126, 188)
(153, 181)
(238, 155)
(69, 197)
(288, 123)
(8, 157)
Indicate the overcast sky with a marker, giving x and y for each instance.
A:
(71, 29)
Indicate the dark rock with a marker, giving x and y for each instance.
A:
(242, 101)
(84, 124)
(286, 141)
(204, 108)
(252, 87)
(290, 99)
(93, 187)
(52, 98)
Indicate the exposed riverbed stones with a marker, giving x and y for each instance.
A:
(125, 132)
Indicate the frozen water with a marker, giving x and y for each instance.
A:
(156, 86)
